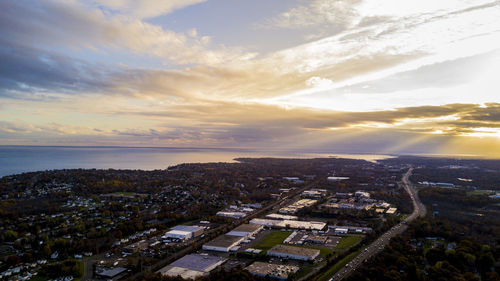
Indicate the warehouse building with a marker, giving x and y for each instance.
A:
(246, 230)
(290, 224)
(281, 217)
(183, 232)
(192, 266)
(229, 214)
(291, 252)
(297, 206)
(110, 273)
(223, 243)
(278, 271)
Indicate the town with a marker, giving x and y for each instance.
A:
(280, 218)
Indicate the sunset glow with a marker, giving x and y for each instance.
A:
(333, 76)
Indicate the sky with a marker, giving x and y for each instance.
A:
(350, 76)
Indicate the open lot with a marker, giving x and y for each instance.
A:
(272, 239)
(348, 241)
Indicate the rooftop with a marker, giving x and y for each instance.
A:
(197, 262)
(247, 228)
(224, 241)
(112, 272)
(187, 228)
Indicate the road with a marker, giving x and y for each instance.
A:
(378, 245)
(88, 268)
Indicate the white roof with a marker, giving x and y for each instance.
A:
(179, 232)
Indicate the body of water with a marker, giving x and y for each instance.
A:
(19, 159)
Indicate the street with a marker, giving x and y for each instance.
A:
(379, 244)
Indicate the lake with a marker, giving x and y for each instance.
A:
(19, 159)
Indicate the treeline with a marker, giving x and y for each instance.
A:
(403, 260)
(457, 240)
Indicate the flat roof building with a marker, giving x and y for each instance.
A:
(292, 224)
(192, 266)
(223, 243)
(278, 271)
(281, 217)
(111, 273)
(246, 230)
(341, 230)
(235, 215)
(184, 232)
(291, 252)
(295, 207)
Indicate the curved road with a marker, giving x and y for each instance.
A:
(378, 245)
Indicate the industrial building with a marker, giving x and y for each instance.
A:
(229, 214)
(110, 273)
(278, 271)
(281, 217)
(299, 205)
(192, 266)
(341, 230)
(391, 211)
(291, 252)
(246, 230)
(183, 232)
(314, 193)
(290, 224)
(353, 229)
(223, 243)
(335, 179)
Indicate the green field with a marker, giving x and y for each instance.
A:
(348, 241)
(332, 270)
(272, 239)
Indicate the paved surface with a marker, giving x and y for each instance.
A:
(378, 245)
(88, 262)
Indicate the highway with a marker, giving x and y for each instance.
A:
(378, 245)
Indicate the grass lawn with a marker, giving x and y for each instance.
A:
(272, 239)
(348, 241)
(332, 270)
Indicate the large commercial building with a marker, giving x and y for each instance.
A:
(291, 252)
(278, 271)
(192, 266)
(314, 193)
(290, 224)
(281, 217)
(183, 232)
(110, 273)
(229, 214)
(295, 207)
(223, 243)
(246, 230)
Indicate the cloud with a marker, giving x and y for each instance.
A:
(147, 8)
(316, 13)
(69, 24)
(424, 129)
(27, 73)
